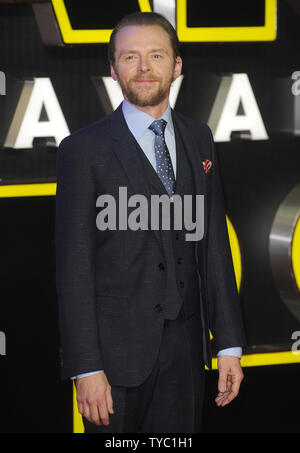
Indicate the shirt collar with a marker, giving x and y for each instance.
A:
(138, 122)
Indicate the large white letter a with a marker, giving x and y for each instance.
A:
(26, 123)
(236, 91)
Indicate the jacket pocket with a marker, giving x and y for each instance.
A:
(112, 305)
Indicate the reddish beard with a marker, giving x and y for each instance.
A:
(142, 99)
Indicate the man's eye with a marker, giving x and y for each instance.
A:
(156, 56)
(129, 57)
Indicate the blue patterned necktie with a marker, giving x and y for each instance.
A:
(162, 155)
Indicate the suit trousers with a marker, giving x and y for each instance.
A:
(170, 400)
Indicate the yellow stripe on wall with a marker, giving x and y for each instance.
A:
(266, 359)
(296, 253)
(27, 190)
(223, 34)
(72, 36)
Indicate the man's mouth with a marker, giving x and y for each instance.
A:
(145, 81)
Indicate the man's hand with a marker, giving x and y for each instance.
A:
(230, 378)
(94, 398)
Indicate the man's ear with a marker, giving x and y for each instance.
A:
(177, 68)
(113, 72)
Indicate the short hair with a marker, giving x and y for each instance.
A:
(146, 18)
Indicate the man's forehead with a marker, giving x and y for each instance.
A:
(147, 34)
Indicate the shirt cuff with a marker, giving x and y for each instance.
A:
(87, 374)
(235, 352)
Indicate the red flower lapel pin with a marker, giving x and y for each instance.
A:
(207, 164)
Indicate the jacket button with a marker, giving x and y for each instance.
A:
(177, 235)
(179, 260)
(181, 283)
(161, 266)
(158, 307)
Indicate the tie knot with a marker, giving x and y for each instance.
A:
(158, 127)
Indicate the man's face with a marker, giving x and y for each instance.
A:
(144, 64)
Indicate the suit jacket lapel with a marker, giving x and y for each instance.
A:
(126, 152)
(196, 157)
(193, 152)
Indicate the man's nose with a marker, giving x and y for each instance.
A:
(143, 64)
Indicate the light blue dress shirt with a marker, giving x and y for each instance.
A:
(138, 123)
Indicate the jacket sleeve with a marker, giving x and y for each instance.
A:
(223, 299)
(75, 242)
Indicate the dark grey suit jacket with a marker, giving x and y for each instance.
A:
(108, 282)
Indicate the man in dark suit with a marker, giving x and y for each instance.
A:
(137, 302)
